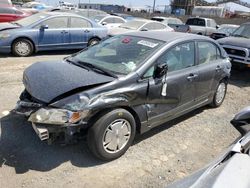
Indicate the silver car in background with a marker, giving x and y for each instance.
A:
(139, 25)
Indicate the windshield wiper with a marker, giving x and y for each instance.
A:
(97, 69)
(89, 66)
(237, 35)
(15, 23)
(71, 61)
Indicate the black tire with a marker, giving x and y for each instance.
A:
(98, 132)
(93, 41)
(216, 103)
(27, 43)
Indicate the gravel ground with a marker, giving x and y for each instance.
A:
(157, 158)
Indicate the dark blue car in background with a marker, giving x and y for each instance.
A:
(49, 31)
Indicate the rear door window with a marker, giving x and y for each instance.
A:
(208, 52)
(80, 23)
(118, 20)
(108, 20)
(154, 26)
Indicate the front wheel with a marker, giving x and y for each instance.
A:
(93, 41)
(112, 134)
(220, 94)
(22, 48)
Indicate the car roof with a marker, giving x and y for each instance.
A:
(247, 23)
(201, 18)
(228, 25)
(61, 13)
(167, 36)
(144, 20)
(162, 17)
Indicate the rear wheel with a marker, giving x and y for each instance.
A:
(112, 134)
(93, 41)
(22, 48)
(220, 94)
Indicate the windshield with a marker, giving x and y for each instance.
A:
(98, 18)
(134, 25)
(31, 19)
(242, 31)
(120, 54)
(226, 30)
(157, 19)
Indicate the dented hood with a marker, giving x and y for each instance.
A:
(46, 81)
(235, 41)
(7, 25)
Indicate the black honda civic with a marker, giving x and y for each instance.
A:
(124, 85)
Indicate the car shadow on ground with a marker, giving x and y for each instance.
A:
(44, 53)
(21, 148)
(240, 78)
(168, 125)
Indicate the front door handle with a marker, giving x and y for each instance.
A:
(218, 68)
(64, 32)
(86, 31)
(192, 76)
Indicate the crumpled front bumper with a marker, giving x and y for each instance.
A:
(48, 132)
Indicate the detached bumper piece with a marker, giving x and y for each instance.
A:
(59, 134)
(26, 108)
(41, 132)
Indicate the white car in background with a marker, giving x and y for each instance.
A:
(139, 25)
(167, 20)
(109, 21)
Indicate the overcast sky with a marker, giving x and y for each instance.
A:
(118, 2)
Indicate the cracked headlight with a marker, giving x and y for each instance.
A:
(4, 35)
(57, 116)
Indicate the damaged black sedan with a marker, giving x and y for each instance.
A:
(126, 84)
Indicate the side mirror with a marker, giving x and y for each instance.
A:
(241, 121)
(144, 29)
(217, 26)
(43, 27)
(104, 23)
(160, 70)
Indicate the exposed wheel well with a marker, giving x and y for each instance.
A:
(27, 38)
(130, 110)
(226, 79)
(95, 37)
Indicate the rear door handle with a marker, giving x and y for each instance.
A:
(86, 31)
(192, 76)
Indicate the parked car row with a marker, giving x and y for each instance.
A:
(23, 37)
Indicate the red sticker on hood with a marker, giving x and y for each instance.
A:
(126, 40)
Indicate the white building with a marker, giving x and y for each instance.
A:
(234, 7)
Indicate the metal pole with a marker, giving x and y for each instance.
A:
(154, 7)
